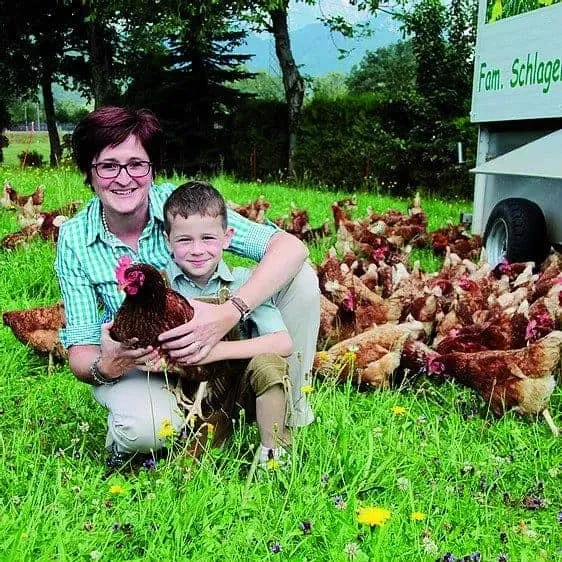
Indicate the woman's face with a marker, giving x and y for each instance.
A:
(123, 194)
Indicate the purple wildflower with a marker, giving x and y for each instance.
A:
(149, 463)
(449, 557)
(275, 548)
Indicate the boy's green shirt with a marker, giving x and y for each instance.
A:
(263, 320)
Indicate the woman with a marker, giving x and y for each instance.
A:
(117, 150)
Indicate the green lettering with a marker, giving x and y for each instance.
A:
(555, 69)
(513, 81)
(547, 76)
(482, 76)
(540, 73)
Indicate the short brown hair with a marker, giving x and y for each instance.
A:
(194, 198)
(110, 126)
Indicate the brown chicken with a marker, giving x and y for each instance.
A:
(150, 307)
(253, 210)
(38, 329)
(11, 199)
(27, 233)
(371, 357)
(521, 379)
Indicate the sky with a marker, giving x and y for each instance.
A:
(301, 14)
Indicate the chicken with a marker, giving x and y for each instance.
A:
(38, 329)
(26, 218)
(521, 379)
(149, 309)
(253, 210)
(12, 241)
(297, 224)
(369, 358)
(11, 199)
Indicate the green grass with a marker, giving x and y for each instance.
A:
(21, 141)
(443, 456)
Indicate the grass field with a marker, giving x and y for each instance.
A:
(21, 141)
(429, 450)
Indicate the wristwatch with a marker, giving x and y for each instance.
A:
(98, 376)
(241, 306)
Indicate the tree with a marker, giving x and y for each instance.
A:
(443, 43)
(261, 86)
(392, 68)
(46, 37)
(272, 16)
(331, 86)
(185, 78)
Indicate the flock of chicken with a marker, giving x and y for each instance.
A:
(384, 322)
(33, 220)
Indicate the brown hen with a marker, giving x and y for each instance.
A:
(520, 379)
(38, 328)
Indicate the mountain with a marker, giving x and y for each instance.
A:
(315, 47)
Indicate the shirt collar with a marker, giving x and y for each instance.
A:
(222, 272)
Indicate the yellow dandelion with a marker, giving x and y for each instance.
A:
(323, 356)
(166, 429)
(373, 516)
(398, 410)
(273, 464)
(349, 356)
(116, 489)
(417, 516)
(210, 428)
(307, 389)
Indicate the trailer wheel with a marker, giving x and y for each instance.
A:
(516, 232)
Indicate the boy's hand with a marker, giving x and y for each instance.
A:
(190, 343)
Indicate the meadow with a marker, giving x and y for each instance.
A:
(451, 478)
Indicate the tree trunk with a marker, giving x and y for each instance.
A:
(100, 50)
(49, 105)
(292, 80)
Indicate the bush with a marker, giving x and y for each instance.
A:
(258, 140)
(31, 159)
(397, 142)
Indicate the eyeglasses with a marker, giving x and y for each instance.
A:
(110, 170)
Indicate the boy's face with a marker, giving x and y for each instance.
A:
(197, 243)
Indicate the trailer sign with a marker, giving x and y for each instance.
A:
(518, 65)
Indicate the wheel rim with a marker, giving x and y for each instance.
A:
(497, 242)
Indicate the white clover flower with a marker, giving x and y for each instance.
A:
(403, 484)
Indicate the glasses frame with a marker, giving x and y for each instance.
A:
(122, 167)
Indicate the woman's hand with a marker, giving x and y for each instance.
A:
(118, 358)
(190, 343)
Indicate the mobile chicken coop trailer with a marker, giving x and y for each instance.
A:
(517, 103)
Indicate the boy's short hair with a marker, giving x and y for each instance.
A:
(194, 198)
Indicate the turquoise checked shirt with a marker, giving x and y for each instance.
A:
(87, 257)
(265, 319)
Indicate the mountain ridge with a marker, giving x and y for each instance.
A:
(317, 50)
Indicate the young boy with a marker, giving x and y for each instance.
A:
(196, 228)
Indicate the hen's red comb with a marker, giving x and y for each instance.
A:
(123, 264)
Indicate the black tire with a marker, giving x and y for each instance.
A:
(516, 231)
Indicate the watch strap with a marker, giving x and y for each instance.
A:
(241, 306)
